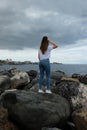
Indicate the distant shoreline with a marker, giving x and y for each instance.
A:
(10, 62)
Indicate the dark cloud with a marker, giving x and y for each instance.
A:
(23, 23)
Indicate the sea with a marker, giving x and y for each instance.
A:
(68, 69)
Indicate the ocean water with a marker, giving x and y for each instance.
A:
(69, 69)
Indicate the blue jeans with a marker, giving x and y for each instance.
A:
(44, 66)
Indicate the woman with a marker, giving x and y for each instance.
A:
(44, 63)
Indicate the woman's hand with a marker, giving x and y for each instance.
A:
(53, 43)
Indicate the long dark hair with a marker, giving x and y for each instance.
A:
(44, 44)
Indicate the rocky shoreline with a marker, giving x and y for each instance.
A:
(23, 108)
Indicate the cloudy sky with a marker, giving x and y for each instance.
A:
(23, 23)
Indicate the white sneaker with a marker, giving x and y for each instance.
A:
(40, 91)
(48, 91)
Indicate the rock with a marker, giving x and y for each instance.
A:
(69, 126)
(32, 73)
(35, 84)
(6, 73)
(13, 71)
(81, 78)
(19, 80)
(5, 82)
(35, 88)
(34, 81)
(21, 75)
(84, 79)
(77, 76)
(5, 124)
(31, 110)
(80, 100)
(10, 126)
(57, 75)
(18, 84)
(80, 118)
(3, 115)
(67, 88)
(69, 79)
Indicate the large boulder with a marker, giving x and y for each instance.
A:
(31, 110)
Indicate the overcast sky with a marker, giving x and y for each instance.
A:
(23, 23)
